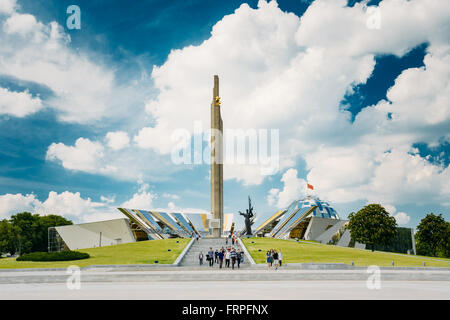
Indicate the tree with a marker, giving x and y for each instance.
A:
(46, 222)
(433, 236)
(6, 237)
(445, 250)
(372, 225)
(30, 231)
(24, 226)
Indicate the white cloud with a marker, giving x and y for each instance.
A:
(18, 104)
(384, 179)
(279, 71)
(272, 196)
(21, 24)
(267, 81)
(7, 6)
(117, 140)
(377, 162)
(390, 208)
(110, 214)
(110, 199)
(172, 207)
(84, 88)
(143, 199)
(14, 203)
(94, 157)
(402, 218)
(154, 138)
(421, 96)
(171, 196)
(246, 174)
(84, 155)
(73, 205)
(68, 204)
(249, 59)
(404, 24)
(294, 189)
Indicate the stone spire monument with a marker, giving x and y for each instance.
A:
(216, 223)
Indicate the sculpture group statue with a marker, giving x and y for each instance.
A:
(248, 215)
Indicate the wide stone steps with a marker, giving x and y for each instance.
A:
(203, 245)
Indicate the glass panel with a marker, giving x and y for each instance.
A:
(183, 221)
(170, 221)
(151, 220)
(196, 220)
(285, 217)
(293, 220)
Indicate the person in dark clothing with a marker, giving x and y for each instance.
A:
(271, 257)
(221, 255)
(216, 256)
(211, 257)
(275, 259)
(200, 258)
(239, 257)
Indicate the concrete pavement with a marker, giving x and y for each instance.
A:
(165, 282)
(214, 274)
(234, 290)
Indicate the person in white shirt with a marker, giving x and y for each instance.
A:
(227, 258)
(280, 257)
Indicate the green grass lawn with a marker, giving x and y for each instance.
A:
(142, 252)
(307, 252)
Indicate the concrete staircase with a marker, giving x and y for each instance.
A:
(203, 245)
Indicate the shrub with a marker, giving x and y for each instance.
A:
(53, 256)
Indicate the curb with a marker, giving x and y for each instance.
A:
(249, 257)
(94, 266)
(344, 266)
(183, 253)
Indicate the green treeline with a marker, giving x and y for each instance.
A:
(26, 232)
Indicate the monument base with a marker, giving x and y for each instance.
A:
(215, 226)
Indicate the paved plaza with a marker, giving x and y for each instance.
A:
(189, 283)
(233, 290)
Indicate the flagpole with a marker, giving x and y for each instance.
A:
(309, 186)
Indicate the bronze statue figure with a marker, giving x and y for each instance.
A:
(248, 216)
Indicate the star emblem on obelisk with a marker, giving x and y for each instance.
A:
(217, 101)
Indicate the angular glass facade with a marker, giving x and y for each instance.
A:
(162, 225)
(297, 212)
(181, 220)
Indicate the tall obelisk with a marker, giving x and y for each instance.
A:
(216, 162)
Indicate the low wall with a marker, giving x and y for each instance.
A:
(247, 254)
(183, 253)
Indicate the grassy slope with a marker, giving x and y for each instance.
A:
(143, 252)
(295, 252)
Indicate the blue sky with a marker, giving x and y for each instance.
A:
(346, 99)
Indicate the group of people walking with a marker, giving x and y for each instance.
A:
(229, 254)
(232, 238)
(274, 258)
